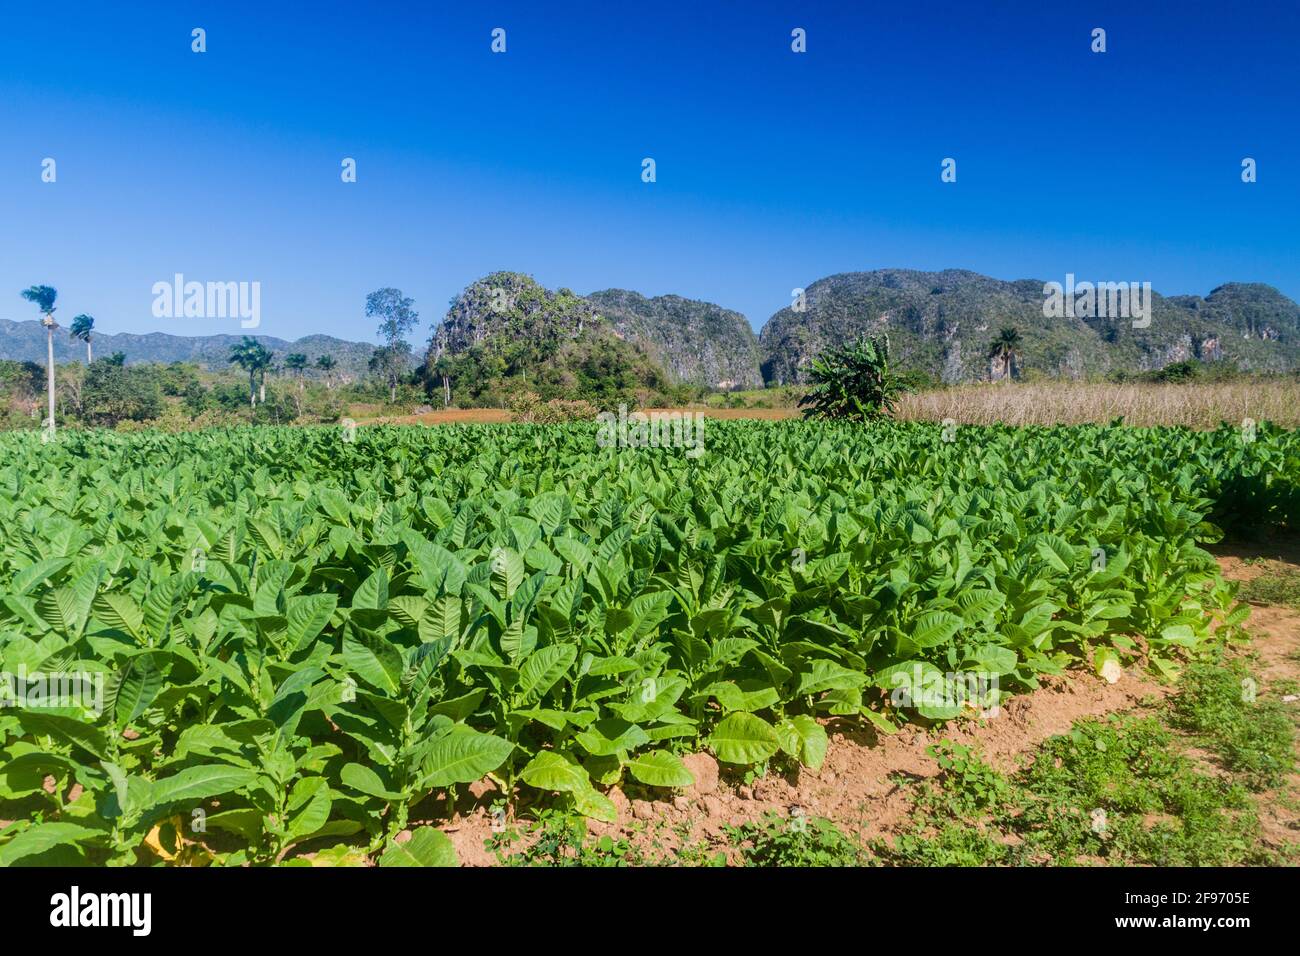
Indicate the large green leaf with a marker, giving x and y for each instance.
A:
(743, 739)
(659, 768)
(428, 846)
(463, 756)
(200, 782)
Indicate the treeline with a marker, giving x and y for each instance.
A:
(109, 393)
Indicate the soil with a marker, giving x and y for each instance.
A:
(1276, 646)
(499, 416)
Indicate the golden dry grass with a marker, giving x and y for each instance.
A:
(498, 416)
(1071, 403)
(1048, 403)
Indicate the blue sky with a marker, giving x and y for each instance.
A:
(774, 168)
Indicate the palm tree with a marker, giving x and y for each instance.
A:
(295, 362)
(442, 368)
(253, 358)
(82, 326)
(1006, 350)
(43, 297)
(326, 364)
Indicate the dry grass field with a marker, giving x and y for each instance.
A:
(1073, 403)
(1196, 405)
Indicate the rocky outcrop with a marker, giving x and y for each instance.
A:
(943, 324)
(696, 342)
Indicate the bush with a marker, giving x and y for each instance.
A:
(113, 393)
(1177, 372)
(528, 407)
(853, 382)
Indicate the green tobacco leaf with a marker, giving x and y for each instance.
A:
(67, 730)
(744, 739)
(200, 782)
(41, 837)
(543, 668)
(607, 737)
(134, 689)
(428, 846)
(365, 780)
(307, 617)
(463, 756)
(934, 628)
(659, 768)
(374, 660)
(590, 802)
(827, 675)
(804, 739)
(553, 771)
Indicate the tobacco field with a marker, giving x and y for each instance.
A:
(301, 639)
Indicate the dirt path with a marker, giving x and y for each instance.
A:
(856, 786)
(1276, 644)
(499, 416)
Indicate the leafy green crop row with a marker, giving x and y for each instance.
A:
(300, 638)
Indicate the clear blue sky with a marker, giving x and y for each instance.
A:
(774, 169)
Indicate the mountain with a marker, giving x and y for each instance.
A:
(523, 325)
(25, 341)
(944, 323)
(696, 342)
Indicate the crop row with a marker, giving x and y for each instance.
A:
(282, 638)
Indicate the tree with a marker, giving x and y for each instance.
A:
(112, 392)
(853, 382)
(442, 367)
(254, 358)
(441, 364)
(295, 362)
(396, 319)
(82, 326)
(326, 364)
(43, 296)
(1005, 351)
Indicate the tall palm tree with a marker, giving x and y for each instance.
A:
(43, 297)
(442, 368)
(1006, 349)
(253, 358)
(82, 326)
(295, 362)
(326, 364)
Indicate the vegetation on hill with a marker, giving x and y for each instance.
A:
(25, 342)
(947, 325)
(696, 342)
(505, 333)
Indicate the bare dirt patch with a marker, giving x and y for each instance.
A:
(1276, 645)
(447, 416)
(500, 416)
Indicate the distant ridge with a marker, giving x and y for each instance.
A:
(944, 323)
(25, 341)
